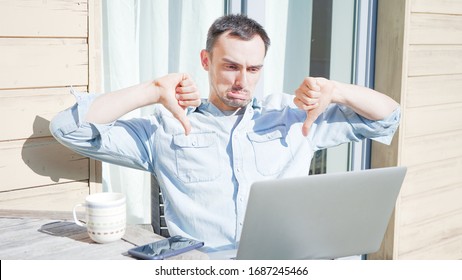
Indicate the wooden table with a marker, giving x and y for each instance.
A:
(53, 235)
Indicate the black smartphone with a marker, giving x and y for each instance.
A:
(165, 248)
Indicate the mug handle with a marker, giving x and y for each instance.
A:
(75, 215)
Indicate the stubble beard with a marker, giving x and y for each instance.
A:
(235, 102)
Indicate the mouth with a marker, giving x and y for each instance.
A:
(237, 94)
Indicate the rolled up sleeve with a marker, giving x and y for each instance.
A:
(126, 143)
(340, 124)
(378, 130)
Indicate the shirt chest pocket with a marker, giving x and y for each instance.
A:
(197, 157)
(272, 152)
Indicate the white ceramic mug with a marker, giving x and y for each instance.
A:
(105, 215)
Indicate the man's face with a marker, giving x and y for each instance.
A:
(234, 69)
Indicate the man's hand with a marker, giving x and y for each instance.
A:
(313, 96)
(176, 93)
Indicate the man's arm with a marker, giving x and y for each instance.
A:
(126, 142)
(174, 91)
(315, 94)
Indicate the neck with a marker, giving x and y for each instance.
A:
(238, 111)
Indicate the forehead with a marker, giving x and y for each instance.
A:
(250, 52)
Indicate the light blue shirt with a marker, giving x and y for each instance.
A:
(205, 177)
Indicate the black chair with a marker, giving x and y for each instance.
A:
(158, 223)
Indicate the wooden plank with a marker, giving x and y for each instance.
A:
(55, 239)
(390, 48)
(432, 176)
(36, 214)
(9, 226)
(447, 250)
(452, 7)
(386, 251)
(41, 161)
(32, 63)
(32, 110)
(435, 29)
(95, 76)
(428, 60)
(386, 155)
(60, 197)
(433, 90)
(47, 241)
(430, 205)
(433, 119)
(390, 66)
(431, 148)
(95, 48)
(52, 18)
(417, 237)
(96, 176)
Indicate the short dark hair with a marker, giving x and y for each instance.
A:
(239, 26)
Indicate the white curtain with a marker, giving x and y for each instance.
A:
(142, 40)
(288, 24)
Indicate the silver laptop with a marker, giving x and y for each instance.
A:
(325, 216)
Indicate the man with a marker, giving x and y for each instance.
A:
(206, 160)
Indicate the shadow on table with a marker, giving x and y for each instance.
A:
(66, 229)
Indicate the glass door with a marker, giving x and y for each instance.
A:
(318, 38)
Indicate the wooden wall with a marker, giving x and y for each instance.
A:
(419, 63)
(45, 46)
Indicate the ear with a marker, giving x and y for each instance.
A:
(205, 59)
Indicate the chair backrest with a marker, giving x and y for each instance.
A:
(157, 209)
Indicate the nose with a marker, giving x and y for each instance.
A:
(241, 79)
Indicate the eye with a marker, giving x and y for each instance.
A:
(231, 67)
(254, 69)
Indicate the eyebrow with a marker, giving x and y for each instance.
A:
(233, 62)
